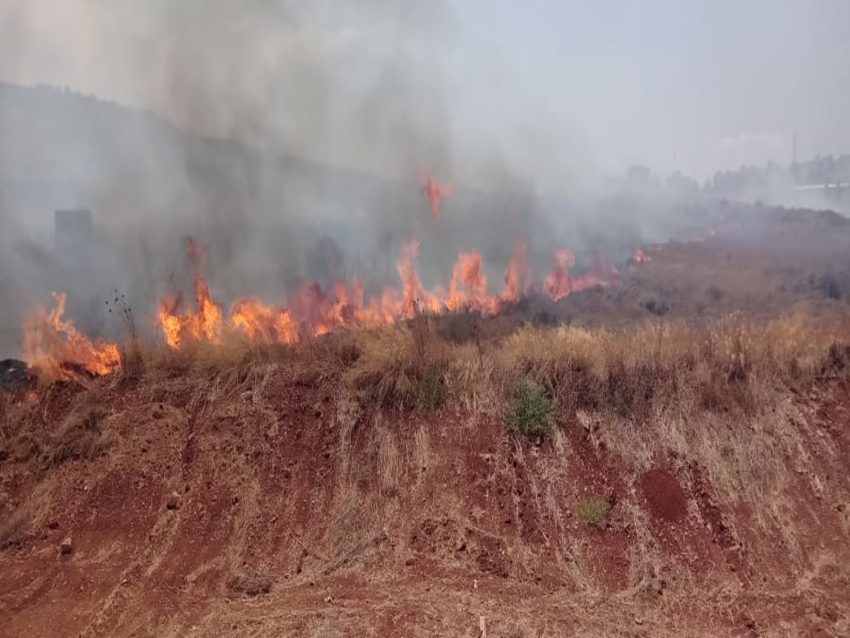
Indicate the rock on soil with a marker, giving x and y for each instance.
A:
(174, 501)
(66, 546)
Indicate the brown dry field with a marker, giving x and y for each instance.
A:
(337, 488)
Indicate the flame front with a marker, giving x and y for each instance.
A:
(180, 324)
(51, 344)
(264, 323)
(517, 275)
(559, 283)
(311, 311)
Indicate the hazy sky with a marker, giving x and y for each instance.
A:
(547, 91)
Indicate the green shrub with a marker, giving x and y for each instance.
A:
(593, 511)
(531, 412)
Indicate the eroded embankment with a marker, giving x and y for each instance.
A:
(277, 496)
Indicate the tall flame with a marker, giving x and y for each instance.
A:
(51, 344)
(557, 283)
(179, 324)
(312, 311)
(468, 288)
(517, 275)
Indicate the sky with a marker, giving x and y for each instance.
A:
(544, 93)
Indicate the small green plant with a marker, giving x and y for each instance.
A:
(593, 511)
(531, 412)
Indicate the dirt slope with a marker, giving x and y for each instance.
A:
(263, 498)
(273, 505)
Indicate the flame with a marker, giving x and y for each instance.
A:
(311, 310)
(559, 283)
(178, 324)
(434, 192)
(51, 344)
(264, 323)
(517, 275)
(641, 257)
(600, 273)
(468, 288)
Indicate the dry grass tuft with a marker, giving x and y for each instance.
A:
(404, 366)
(593, 511)
(250, 582)
(15, 529)
(642, 370)
(81, 437)
(389, 461)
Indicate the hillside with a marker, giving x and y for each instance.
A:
(663, 457)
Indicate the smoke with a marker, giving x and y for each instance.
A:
(288, 127)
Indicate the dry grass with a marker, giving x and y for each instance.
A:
(643, 389)
(593, 511)
(15, 529)
(81, 435)
(403, 366)
(658, 367)
(250, 582)
(389, 461)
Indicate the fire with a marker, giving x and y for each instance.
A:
(52, 344)
(311, 310)
(434, 192)
(468, 287)
(641, 257)
(559, 283)
(180, 324)
(517, 275)
(264, 323)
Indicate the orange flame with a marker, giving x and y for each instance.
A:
(204, 322)
(434, 192)
(312, 311)
(265, 323)
(468, 288)
(517, 275)
(51, 344)
(557, 282)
